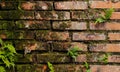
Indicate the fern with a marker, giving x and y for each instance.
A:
(7, 55)
(106, 17)
(73, 52)
(86, 65)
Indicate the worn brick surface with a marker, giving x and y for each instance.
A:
(47, 35)
(52, 15)
(44, 5)
(104, 68)
(88, 36)
(71, 5)
(104, 4)
(45, 30)
(32, 24)
(64, 46)
(114, 36)
(69, 25)
(105, 47)
(105, 26)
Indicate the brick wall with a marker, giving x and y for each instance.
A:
(48, 28)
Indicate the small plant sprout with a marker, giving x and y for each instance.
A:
(86, 65)
(106, 17)
(50, 66)
(104, 58)
(73, 52)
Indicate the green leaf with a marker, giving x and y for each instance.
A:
(10, 48)
(108, 13)
(50, 66)
(88, 70)
(1, 42)
(86, 65)
(2, 69)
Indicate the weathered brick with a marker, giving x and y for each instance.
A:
(104, 4)
(68, 68)
(105, 68)
(114, 36)
(114, 58)
(105, 26)
(7, 25)
(44, 5)
(17, 15)
(52, 57)
(86, 14)
(31, 45)
(28, 5)
(88, 36)
(47, 35)
(69, 25)
(26, 58)
(52, 15)
(115, 15)
(81, 58)
(8, 5)
(64, 46)
(27, 68)
(105, 47)
(71, 5)
(31, 24)
(6, 34)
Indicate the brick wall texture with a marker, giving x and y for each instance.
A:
(44, 30)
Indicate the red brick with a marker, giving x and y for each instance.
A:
(104, 68)
(44, 5)
(86, 14)
(104, 4)
(64, 46)
(47, 35)
(70, 25)
(71, 5)
(114, 36)
(115, 15)
(32, 24)
(88, 36)
(31, 45)
(114, 58)
(28, 5)
(105, 26)
(52, 15)
(52, 57)
(105, 48)
(81, 58)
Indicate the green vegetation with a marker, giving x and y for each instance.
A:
(106, 17)
(73, 52)
(86, 65)
(50, 66)
(104, 58)
(7, 55)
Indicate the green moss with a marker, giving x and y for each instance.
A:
(11, 14)
(42, 34)
(25, 68)
(64, 25)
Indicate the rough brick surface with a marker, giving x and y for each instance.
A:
(105, 26)
(52, 15)
(44, 31)
(104, 4)
(68, 25)
(88, 36)
(73, 5)
(105, 47)
(114, 36)
(105, 68)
